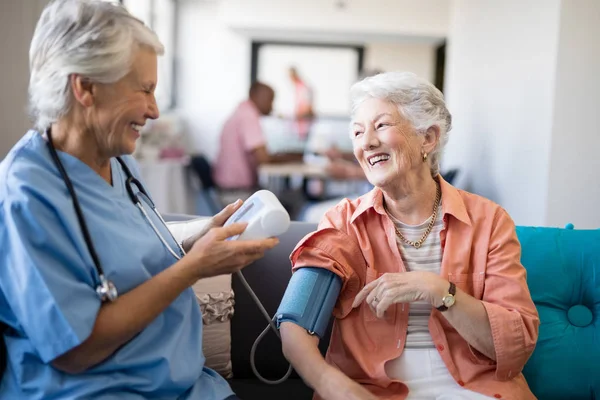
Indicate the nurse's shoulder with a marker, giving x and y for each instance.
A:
(27, 171)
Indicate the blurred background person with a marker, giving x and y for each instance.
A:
(303, 104)
(243, 146)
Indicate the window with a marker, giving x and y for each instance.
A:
(314, 62)
(159, 15)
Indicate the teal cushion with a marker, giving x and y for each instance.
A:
(563, 274)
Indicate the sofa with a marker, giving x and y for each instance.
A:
(563, 273)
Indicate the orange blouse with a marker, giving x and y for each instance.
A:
(481, 255)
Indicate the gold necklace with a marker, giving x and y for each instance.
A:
(419, 243)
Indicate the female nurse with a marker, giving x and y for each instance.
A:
(95, 294)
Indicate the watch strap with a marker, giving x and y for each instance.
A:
(452, 291)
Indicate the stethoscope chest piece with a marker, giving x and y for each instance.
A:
(106, 290)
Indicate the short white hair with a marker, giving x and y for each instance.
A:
(92, 38)
(421, 103)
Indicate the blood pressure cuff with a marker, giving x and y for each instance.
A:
(309, 299)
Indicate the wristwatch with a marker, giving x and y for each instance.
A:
(448, 300)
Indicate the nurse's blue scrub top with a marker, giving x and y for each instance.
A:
(48, 280)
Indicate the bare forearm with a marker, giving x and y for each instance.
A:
(280, 158)
(119, 321)
(302, 351)
(469, 318)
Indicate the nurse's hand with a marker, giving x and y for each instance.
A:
(213, 255)
(216, 221)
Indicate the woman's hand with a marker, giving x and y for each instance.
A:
(216, 221)
(214, 255)
(402, 287)
(335, 385)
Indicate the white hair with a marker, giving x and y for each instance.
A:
(92, 38)
(421, 103)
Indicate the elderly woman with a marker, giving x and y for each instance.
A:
(434, 302)
(95, 293)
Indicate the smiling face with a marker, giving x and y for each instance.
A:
(121, 109)
(386, 144)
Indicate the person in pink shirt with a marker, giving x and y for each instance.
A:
(243, 146)
(303, 107)
(434, 302)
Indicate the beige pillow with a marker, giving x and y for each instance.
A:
(216, 300)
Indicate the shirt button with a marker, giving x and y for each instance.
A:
(461, 383)
(440, 347)
(497, 396)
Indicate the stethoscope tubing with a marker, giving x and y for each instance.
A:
(105, 288)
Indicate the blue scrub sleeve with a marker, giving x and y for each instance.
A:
(46, 275)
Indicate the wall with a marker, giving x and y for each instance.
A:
(427, 18)
(17, 23)
(330, 97)
(213, 72)
(213, 60)
(213, 53)
(500, 82)
(160, 15)
(417, 58)
(574, 191)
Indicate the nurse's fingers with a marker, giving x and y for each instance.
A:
(222, 217)
(255, 252)
(255, 247)
(229, 231)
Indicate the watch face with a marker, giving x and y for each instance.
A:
(449, 300)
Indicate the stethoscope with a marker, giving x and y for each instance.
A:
(105, 289)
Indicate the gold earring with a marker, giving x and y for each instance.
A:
(424, 157)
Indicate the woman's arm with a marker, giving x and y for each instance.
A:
(301, 350)
(119, 321)
(512, 315)
(469, 317)
(505, 320)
